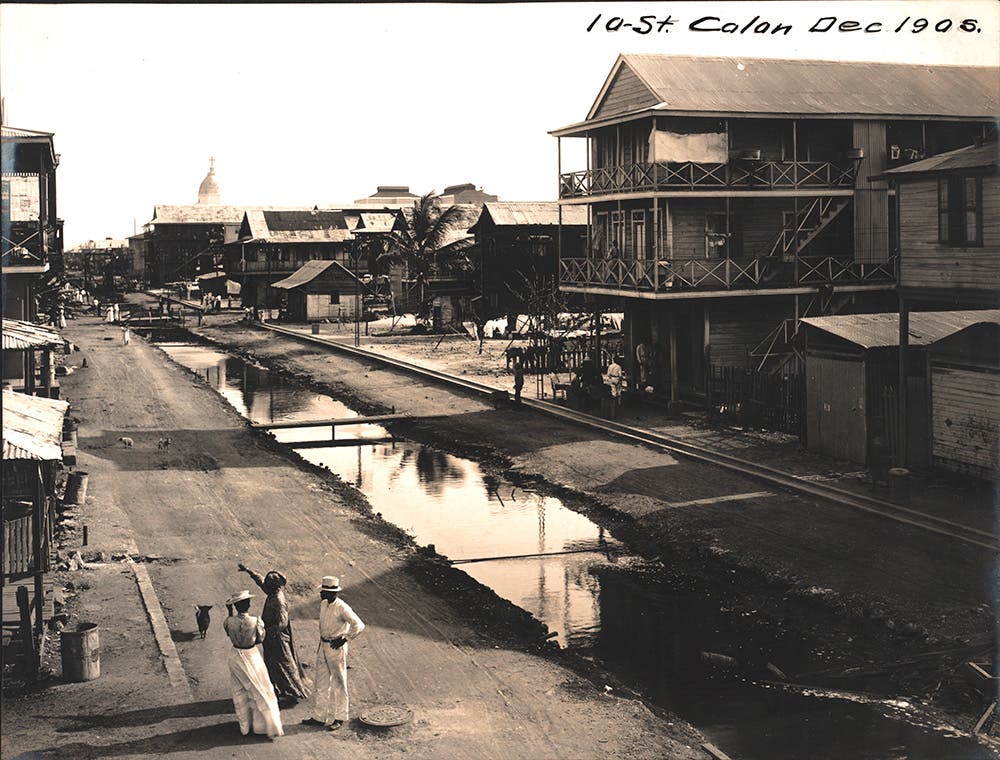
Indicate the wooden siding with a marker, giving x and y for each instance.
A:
(966, 420)
(736, 328)
(318, 307)
(871, 199)
(835, 408)
(17, 551)
(924, 262)
(626, 93)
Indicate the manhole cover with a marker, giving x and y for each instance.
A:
(386, 715)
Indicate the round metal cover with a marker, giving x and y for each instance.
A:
(386, 716)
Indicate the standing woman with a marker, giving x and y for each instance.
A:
(279, 646)
(253, 695)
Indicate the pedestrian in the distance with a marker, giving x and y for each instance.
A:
(126, 335)
(253, 696)
(615, 376)
(518, 378)
(337, 625)
(279, 646)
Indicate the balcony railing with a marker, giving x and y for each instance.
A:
(669, 275)
(689, 175)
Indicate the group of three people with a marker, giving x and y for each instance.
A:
(263, 666)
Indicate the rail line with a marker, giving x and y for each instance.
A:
(828, 493)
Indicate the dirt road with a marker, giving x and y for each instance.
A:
(220, 495)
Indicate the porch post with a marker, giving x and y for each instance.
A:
(37, 566)
(795, 153)
(673, 355)
(904, 343)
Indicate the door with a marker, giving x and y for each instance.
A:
(836, 424)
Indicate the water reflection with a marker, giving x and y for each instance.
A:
(648, 632)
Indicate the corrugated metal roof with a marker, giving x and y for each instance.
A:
(882, 330)
(790, 87)
(970, 157)
(538, 213)
(22, 336)
(309, 272)
(197, 214)
(11, 132)
(32, 427)
(374, 222)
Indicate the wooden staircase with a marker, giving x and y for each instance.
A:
(777, 350)
(809, 223)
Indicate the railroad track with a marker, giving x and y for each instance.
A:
(828, 493)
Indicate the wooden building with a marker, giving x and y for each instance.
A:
(32, 454)
(726, 200)
(517, 244)
(31, 233)
(28, 365)
(272, 243)
(852, 381)
(319, 291)
(185, 241)
(949, 238)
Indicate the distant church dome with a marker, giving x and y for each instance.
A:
(208, 191)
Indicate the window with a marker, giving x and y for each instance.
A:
(599, 236)
(716, 238)
(960, 216)
(638, 235)
(335, 298)
(616, 234)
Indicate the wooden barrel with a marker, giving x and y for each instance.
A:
(76, 488)
(81, 652)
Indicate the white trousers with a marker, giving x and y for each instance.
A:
(329, 696)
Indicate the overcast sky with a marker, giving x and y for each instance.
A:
(318, 104)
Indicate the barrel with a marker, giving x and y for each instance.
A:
(899, 483)
(76, 488)
(81, 652)
(315, 328)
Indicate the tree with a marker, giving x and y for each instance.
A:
(429, 239)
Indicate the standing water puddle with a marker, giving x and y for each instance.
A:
(653, 636)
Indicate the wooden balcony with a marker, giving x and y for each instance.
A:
(734, 175)
(762, 272)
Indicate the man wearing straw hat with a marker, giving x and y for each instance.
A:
(253, 695)
(338, 624)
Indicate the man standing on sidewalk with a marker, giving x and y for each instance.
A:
(337, 625)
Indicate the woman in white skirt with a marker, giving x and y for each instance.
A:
(253, 695)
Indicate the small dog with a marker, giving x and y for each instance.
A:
(163, 444)
(126, 441)
(202, 618)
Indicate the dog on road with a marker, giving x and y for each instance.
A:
(202, 618)
(163, 444)
(126, 441)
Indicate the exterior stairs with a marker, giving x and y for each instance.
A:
(778, 350)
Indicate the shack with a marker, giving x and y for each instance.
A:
(852, 371)
(320, 290)
(32, 456)
(27, 357)
(963, 371)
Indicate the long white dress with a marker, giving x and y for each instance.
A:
(253, 695)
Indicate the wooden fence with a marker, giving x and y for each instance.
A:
(756, 399)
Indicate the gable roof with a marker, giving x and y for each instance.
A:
(882, 330)
(984, 156)
(295, 225)
(771, 87)
(531, 213)
(197, 214)
(310, 271)
(32, 427)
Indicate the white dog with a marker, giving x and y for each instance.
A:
(126, 441)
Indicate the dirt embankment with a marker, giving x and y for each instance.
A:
(863, 593)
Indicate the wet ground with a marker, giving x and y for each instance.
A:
(679, 645)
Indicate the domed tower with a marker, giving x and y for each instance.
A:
(208, 191)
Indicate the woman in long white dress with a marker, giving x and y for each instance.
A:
(253, 695)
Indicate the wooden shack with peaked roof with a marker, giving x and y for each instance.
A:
(320, 291)
(729, 198)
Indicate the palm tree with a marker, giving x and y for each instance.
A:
(429, 239)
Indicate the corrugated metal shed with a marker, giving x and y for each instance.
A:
(309, 272)
(23, 336)
(32, 427)
(197, 214)
(882, 330)
(780, 87)
(533, 213)
(971, 157)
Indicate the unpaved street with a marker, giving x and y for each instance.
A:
(220, 495)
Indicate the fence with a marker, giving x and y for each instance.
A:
(756, 399)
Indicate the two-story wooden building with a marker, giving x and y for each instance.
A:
(949, 233)
(31, 240)
(728, 198)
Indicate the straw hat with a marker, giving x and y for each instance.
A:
(239, 597)
(330, 583)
